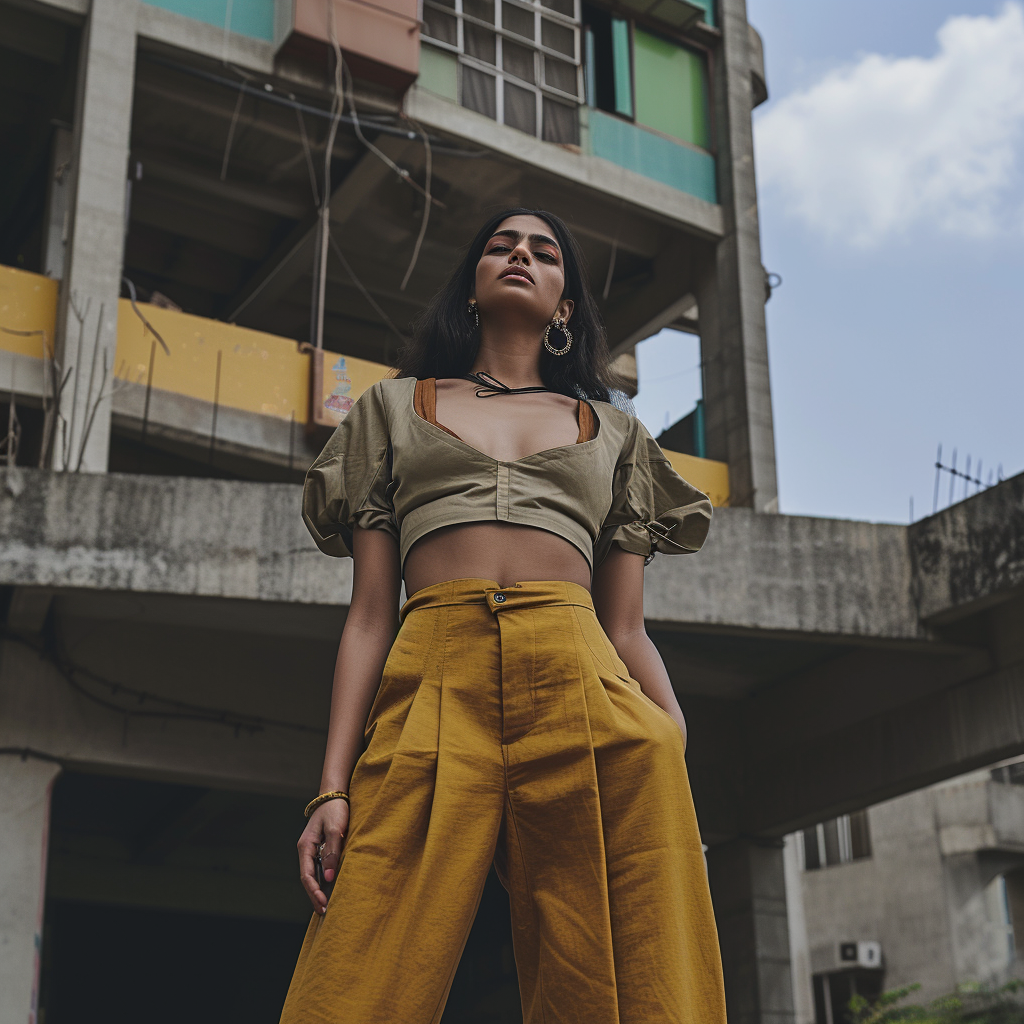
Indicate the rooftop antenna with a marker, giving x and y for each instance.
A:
(938, 471)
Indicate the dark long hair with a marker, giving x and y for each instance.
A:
(445, 339)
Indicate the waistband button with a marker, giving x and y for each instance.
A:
(499, 598)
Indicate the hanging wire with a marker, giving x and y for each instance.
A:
(362, 288)
(426, 211)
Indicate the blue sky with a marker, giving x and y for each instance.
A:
(889, 162)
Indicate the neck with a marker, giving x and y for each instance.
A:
(511, 355)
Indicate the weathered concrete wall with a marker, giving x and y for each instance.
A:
(970, 553)
(930, 891)
(777, 574)
(216, 538)
(789, 574)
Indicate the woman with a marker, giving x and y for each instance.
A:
(522, 716)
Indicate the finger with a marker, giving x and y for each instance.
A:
(307, 874)
(332, 854)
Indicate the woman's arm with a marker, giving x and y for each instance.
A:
(369, 632)
(618, 592)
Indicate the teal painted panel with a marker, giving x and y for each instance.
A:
(253, 18)
(709, 9)
(620, 62)
(683, 167)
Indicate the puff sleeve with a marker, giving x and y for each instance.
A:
(349, 483)
(653, 507)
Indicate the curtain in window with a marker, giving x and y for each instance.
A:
(561, 123)
(478, 92)
(520, 108)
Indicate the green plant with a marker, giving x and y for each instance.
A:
(969, 1004)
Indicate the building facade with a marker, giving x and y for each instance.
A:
(921, 890)
(218, 220)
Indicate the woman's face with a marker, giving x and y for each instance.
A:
(521, 272)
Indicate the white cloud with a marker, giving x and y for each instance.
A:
(885, 144)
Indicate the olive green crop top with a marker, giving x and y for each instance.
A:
(387, 467)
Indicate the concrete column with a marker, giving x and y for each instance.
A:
(796, 918)
(748, 887)
(25, 787)
(87, 311)
(731, 290)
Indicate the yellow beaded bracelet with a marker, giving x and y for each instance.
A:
(334, 794)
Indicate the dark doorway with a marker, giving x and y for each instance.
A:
(170, 903)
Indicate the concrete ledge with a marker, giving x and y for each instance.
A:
(790, 574)
(173, 535)
(969, 554)
(168, 29)
(667, 203)
(216, 538)
(773, 574)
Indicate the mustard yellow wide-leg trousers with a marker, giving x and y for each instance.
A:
(507, 729)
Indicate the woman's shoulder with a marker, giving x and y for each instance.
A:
(619, 426)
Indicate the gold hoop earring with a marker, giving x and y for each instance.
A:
(559, 323)
(473, 310)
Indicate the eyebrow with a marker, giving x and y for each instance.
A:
(518, 236)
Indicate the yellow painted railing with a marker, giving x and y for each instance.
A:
(237, 367)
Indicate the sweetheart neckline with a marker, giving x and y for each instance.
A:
(443, 435)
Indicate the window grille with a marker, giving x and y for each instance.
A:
(519, 60)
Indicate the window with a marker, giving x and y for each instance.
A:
(519, 60)
(836, 841)
(608, 62)
(653, 80)
(1010, 773)
(833, 992)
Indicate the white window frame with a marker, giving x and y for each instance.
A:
(539, 86)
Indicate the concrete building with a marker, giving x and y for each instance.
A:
(925, 889)
(187, 302)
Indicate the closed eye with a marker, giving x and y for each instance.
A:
(547, 257)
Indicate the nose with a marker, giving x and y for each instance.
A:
(520, 254)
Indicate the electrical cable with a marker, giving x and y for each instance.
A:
(231, 136)
(366, 295)
(183, 710)
(272, 95)
(426, 212)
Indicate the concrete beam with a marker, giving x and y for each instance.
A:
(87, 307)
(949, 732)
(274, 200)
(41, 711)
(294, 257)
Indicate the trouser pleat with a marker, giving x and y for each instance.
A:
(510, 730)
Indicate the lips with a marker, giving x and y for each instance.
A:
(517, 272)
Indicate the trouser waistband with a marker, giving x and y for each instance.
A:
(530, 594)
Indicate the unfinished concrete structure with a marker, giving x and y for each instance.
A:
(931, 895)
(170, 629)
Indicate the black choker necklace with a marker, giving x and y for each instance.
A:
(488, 386)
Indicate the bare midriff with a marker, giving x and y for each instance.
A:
(507, 553)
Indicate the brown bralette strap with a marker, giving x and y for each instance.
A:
(424, 403)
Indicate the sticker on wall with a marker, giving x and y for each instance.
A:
(337, 382)
(338, 400)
